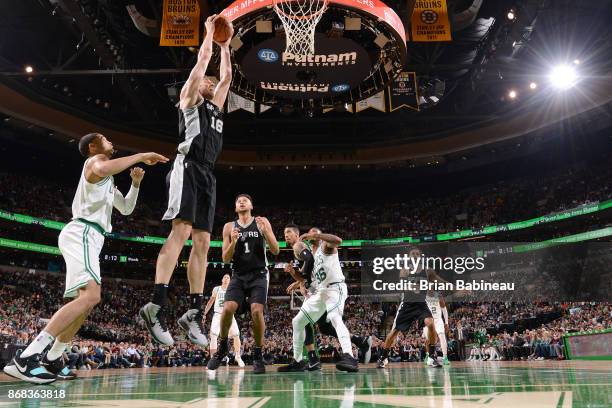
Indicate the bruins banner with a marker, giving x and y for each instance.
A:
(403, 92)
(180, 23)
(430, 21)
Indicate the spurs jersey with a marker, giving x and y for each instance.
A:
(201, 131)
(93, 202)
(220, 299)
(250, 252)
(326, 270)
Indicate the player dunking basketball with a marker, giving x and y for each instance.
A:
(80, 242)
(192, 191)
(244, 244)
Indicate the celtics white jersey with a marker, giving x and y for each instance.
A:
(433, 302)
(93, 202)
(326, 269)
(220, 299)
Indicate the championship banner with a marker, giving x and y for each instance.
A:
(375, 101)
(180, 23)
(430, 21)
(403, 92)
(235, 102)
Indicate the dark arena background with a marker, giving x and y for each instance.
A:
(456, 129)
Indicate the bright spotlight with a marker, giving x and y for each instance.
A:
(533, 85)
(577, 61)
(563, 77)
(29, 69)
(512, 94)
(511, 16)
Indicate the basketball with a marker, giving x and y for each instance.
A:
(222, 29)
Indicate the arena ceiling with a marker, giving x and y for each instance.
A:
(92, 64)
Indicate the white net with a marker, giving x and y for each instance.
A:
(300, 19)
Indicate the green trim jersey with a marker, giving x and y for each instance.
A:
(220, 299)
(327, 269)
(93, 202)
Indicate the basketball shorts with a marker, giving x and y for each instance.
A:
(410, 312)
(215, 326)
(80, 245)
(329, 299)
(252, 289)
(192, 193)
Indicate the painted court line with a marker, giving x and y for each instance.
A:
(70, 395)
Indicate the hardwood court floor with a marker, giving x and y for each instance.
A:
(540, 384)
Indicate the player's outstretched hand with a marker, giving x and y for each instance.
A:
(137, 174)
(261, 224)
(289, 268)
(293, 287)
(209, 25)
(151, 158)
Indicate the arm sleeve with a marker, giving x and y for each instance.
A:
(308, 265)
(126, 204)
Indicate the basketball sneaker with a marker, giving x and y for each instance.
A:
(193, 324)
(57, 367)
(314, 363)
(446, 361)
(259, 367)
(154, 317)
(382, 362)
(433, 362)
(29, 369)
(239, 361)
(294, 366)
(218, 357)
(348, 363)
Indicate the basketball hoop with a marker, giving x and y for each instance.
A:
(300, 19)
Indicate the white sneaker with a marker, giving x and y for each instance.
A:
(155, 320)
(193, 325)
(430, 361)
(239, 361)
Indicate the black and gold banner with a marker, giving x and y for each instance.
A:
(430, 21)
(403, 92)
(180, 23)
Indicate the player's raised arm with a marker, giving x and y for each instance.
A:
(225, 72)
(266, 229)
(126, 204)
(190, 95)
(101, 166)
(230, 238)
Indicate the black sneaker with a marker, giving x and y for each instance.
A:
(259, 367)
(221, 353)
(29, 369)
(347, 363)
(294, 366)
(314, 364)
(57, 367)
(382, 362)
